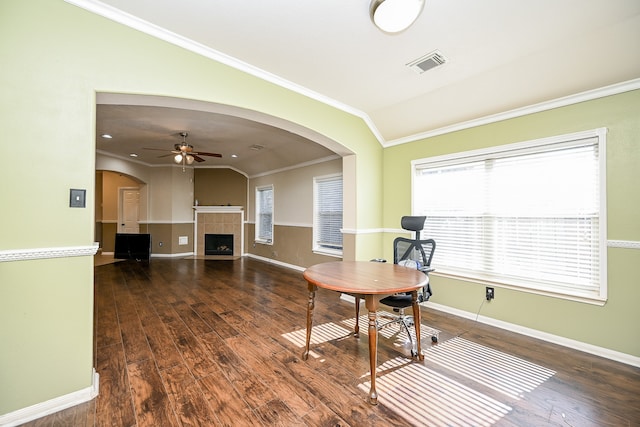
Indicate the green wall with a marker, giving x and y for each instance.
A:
(55, 57)
(614, 326)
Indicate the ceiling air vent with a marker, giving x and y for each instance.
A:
(427, 62)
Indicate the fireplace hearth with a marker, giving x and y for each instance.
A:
(218, 244)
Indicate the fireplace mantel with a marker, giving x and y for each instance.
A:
(219, 220)
(218, 208)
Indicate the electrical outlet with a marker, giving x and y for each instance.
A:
(490, 294)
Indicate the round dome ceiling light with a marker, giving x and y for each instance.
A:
(394, 16)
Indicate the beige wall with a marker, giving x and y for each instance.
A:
(111, 183)
(291, 245)
(107, 189)
(293, 192)
(293, 231)
(292, 215)
(108, 232)
(220, 187)
(165, 238)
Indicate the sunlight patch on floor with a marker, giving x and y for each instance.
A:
(426, 332)
(492, 368)
(319, 334)
(333, 331)
(424, 397)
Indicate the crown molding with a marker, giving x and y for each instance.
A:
(156, 31)
(194, 167)
(589, 95)
(146, 27)
(297, 166)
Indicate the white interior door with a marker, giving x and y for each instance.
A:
(130, 209)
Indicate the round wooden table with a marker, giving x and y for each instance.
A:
(370, 281)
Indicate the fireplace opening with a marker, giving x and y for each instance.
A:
(218, 244)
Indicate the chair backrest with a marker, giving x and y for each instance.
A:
(420, 251)
(416, 249)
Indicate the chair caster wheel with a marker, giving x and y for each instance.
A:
(434, 339)
(414, 353)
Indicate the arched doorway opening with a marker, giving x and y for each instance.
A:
(163, 117)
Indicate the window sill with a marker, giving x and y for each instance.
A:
(327, 252)
(263, 242)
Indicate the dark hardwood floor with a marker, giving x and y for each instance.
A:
(203, 342)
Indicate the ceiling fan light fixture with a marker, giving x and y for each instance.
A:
(394, 16)
(189, 158)
(178, 158)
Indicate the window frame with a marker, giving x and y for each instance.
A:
(316, 246)
(258, 238)
(486, 154)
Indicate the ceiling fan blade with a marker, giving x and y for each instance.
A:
(200, 153)
(156, 149)
(196, 157)
(165, 155)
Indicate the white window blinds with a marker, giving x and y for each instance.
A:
(527, 215)
(328, 214)
(264, 214)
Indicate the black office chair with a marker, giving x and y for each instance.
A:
(412, 253)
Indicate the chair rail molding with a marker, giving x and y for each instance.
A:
(628, 244)
(46, 253)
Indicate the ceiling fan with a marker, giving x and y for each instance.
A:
(184, 154)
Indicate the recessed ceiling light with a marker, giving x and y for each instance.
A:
(234, 155)
(106, 136)
(133, 155)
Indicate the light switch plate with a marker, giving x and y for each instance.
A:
(77, 198)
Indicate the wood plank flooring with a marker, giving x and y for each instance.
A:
(218, 343)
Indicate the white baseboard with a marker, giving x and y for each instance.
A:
(180, 255)
(555, 339)
(273, 261)
(544, 336)
(51, 406)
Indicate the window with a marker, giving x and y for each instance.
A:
(264, 214)
(527, 215)
(327, 214)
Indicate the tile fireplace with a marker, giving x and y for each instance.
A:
(227, 221)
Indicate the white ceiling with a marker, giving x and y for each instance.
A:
(502, 55)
